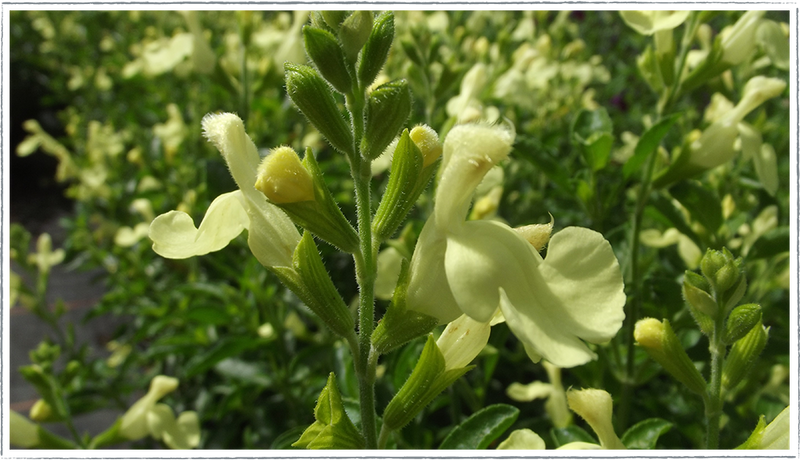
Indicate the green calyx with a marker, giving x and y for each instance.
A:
(387, 110)
(427, 380)
(400, 325)
(332, 428)
(743, 355)
(312, 95)
(408, 177)
(322, 216)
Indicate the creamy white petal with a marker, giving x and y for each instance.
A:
(428, 291)
(175, 236)
(470, 151)
(582, 271)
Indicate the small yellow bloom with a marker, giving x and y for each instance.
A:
(283, 179)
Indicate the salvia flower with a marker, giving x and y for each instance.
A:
(473, 267)
(272, 236)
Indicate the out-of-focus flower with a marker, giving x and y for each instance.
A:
(172, 132)
(687, 249)
(595, 406)
(45, 258)
(650, 22)
(553, 393)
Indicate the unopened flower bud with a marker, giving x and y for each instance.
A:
(696, 292)
(741, 321)
(283, 179)
(40, 411)
(427, 141)
(711, 263)
(661, 343)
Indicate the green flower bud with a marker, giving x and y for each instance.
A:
(400, 325)
(324, 50)
(711, 263)
(741, 320)
(354, 32)
(41, 411)
(306, 200)
(427, 380)
(661, 343)
(332, 428)
(743, 355)
(387, 110)
(334, 18)
(376, 49)
(312, 95)
(697, 297)
(407, 179)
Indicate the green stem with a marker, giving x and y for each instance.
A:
(713, 402)
(674, 91)
(366, 270)
(635, 295)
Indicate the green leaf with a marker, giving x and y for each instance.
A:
(645, 434)
(207, 315)
(532, 150)
(387, 110)
(376, 49)
(702, 204)
(770, 244)
(225, 348)
(572, 433)
(649, 141)
(593, 131)
(312, 95)
(323, 48)
(481, 428)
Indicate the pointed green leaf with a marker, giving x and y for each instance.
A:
(648, 143)
(703, 205)
(572, 433)
(645, 434)
(481, 428)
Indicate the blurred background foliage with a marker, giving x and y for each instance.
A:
(106, 106)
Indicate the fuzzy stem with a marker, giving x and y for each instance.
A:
(713, 402)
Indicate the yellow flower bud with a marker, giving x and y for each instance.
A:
(595, 407)
(283, 179)
(427, 141)
(649, 332)
(41, 411)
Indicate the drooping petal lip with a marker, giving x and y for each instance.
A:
(175, 236)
